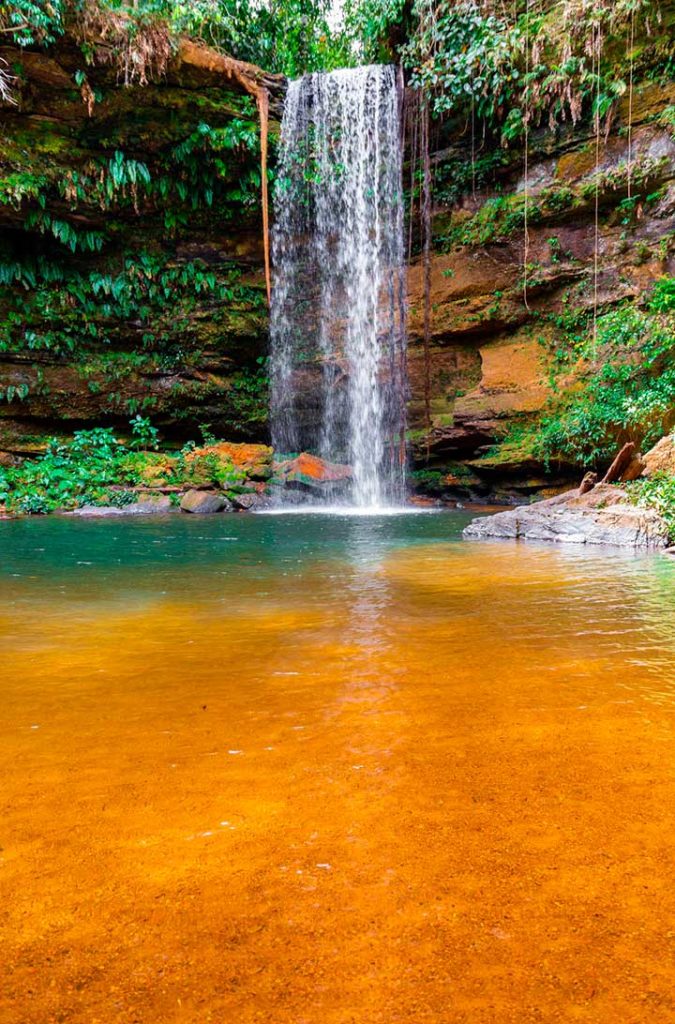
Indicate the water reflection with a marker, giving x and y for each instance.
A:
(367, 587)
(318, 770)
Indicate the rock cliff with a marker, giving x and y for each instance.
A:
(494, 366)
(132, 265)
(131, 260)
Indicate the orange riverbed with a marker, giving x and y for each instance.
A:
(306, 771)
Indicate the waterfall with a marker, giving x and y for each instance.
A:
(338, 380)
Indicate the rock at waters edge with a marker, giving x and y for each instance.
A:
(204, 502)
(156, 504)
(601, 516)
(251, 501)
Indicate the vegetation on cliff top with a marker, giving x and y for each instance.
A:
(291, 37)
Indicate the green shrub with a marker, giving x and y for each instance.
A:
(144, 434)
(79, 473)
(628, 392)
(658, 492)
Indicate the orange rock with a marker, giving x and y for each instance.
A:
(661, 458)
(318, 469)
(513, 380)
(243, 456)
(311, 470)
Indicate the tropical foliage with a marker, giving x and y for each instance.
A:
(97, 468)
(487, 73)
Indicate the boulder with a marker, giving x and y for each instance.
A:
(246, 501)
(309, 472)
(600, 516)
(601, 496)
(149, 504)
(203, 502)
(661, 458)
(85, 511)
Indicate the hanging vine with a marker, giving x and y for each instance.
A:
(526, 142)
(597, 52)
(426, 255)
(631, 65)
(263, 101)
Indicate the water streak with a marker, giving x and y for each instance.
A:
(338, 307)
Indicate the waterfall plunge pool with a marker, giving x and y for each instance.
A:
(377, 511)
(318, 768)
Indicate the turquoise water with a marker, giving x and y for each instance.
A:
(163, 551)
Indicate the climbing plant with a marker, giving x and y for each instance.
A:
(26, 22)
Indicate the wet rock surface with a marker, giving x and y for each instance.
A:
(600, 516)
(307, 472)
(204, 502)
(151, 505)
(251, 501)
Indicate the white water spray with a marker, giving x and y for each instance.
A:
(338, 305)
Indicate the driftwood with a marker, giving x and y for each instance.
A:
(634, 469)
(620, 464)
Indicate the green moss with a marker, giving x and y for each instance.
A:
(624, 389)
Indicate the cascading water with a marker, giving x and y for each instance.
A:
(338, 305)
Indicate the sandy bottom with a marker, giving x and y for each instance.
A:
(430, 784)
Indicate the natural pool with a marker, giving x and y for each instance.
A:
(319, 770)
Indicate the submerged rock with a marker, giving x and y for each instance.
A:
(600, 516)
(204, 502)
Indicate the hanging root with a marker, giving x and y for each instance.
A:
(6, 80)
(426, 257)
(253, 81)
(526, 141)
(597, 53)
(263, 101)
(629, 166)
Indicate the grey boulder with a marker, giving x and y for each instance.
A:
(600, 516)
(203, 502)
